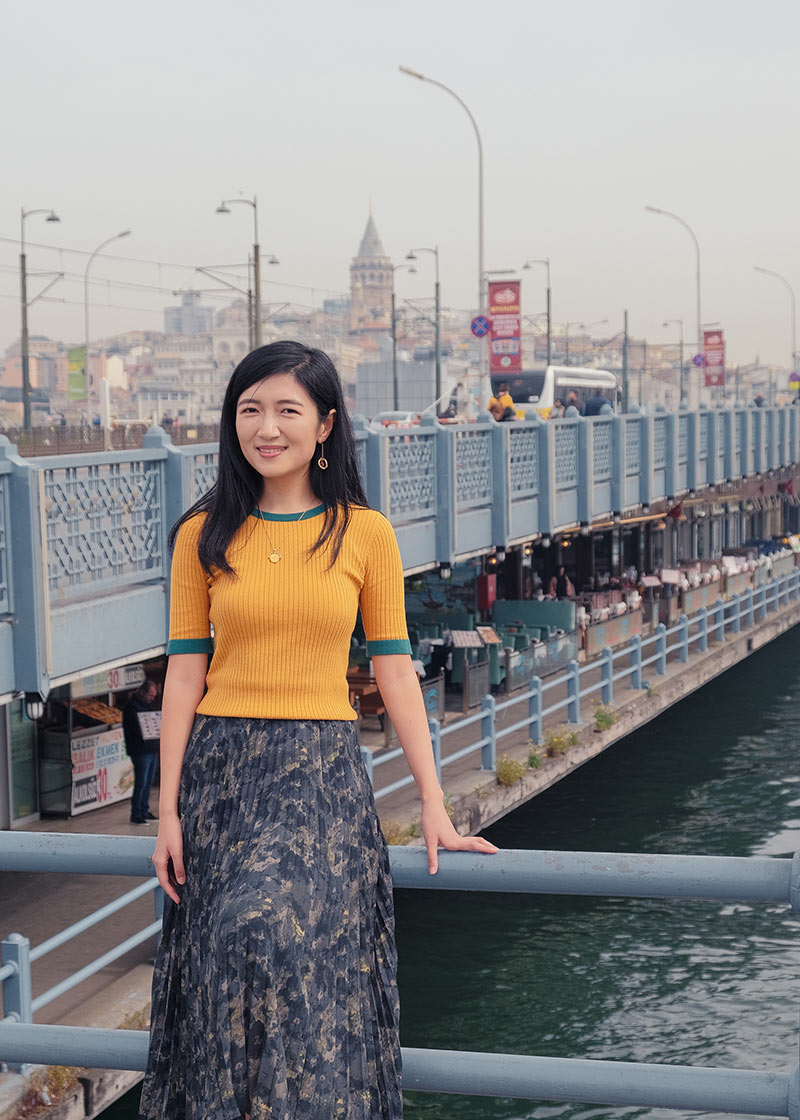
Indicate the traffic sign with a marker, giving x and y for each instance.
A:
(699, 360)
(480, 326)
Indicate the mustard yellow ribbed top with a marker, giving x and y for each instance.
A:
(282, 631)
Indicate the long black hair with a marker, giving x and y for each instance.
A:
(239, 486)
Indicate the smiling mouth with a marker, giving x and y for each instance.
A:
(270, 452)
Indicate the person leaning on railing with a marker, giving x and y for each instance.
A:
(274, 990)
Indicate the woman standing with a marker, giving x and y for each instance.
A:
(274, 992)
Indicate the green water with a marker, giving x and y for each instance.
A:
(694, 983)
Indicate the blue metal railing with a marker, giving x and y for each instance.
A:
(624, 875)
(723, 619)
(97, 523)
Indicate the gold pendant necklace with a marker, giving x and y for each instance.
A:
(275, 555)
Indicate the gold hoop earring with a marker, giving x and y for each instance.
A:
(322, 462)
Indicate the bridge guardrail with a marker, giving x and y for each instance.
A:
(622, 875)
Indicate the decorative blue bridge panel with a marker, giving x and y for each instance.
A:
(412, 476)
(524, 460)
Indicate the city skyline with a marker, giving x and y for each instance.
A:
(586, 117)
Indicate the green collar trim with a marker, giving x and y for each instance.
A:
(306, 515)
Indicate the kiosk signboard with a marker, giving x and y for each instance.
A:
(101, 770)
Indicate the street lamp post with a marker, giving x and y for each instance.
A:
(546, 262)
(411, 256)
(793, 297)
(23, 300)
(572, 323)
(223, 208)
(87, 375)
(693, 235)
(679, 324)
(481, 288)
(395, 384)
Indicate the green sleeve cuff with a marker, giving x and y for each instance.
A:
(190, 645)
(391, 645)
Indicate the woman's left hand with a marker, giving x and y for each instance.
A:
(438, 830)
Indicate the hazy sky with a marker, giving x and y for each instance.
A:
(142, 116)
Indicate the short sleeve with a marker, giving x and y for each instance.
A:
(383, 608)
(189, 626)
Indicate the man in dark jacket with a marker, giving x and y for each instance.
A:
(595, 403)
(143, 752)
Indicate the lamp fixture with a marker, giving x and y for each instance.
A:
(500, 553)
(546, 542)
(34, 705)
(445, 571)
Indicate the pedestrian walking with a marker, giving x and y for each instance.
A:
(274, 990)
(142, 750)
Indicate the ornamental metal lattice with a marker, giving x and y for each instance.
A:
(4, 600)
(633, 447)
(683, 440)
(660, 442)
(602, 450)
(702, 451)
(103, 525)
(412, 475)
(524, 456)
(566, 446)
(204, 473)
(473, 469)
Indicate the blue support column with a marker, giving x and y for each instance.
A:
(535, 729)
(366, 758)
(702, 622)
(736, 602)
(376, 457)
(795, 583)
(501, 483)
(436, 743)
(547, 479)
(636, 661)
(607, 667)
(719, 620)
(445, 495)
(489, 750)
(683, 652)
(661, 649)
(762, 602)
(573, 692)
(585, 471)
(749, 614)
(15, 950)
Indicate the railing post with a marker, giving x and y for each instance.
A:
(719, 621)
(158, 904)
(683, 635)
(488, 750)
(16, 950)
(573, 692)
(763, 607)
(436, 742)
(748, 607)
(702, 621)
(366, 758)
(661, 649)
(535, 729)
(636, 661)
(795, 582)
(774, 597)
(607, 666)
(736, 623)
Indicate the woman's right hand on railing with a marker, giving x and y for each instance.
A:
(168, 856)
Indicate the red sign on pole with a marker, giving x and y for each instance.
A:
(505, 341)
(714, 353)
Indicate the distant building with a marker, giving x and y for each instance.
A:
(190, 318)
(370, 285)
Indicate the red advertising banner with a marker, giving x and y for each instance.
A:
(714, 354)
(505, 341)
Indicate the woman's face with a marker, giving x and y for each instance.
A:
(279, 428)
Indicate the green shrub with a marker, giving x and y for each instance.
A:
(509, 770)
(535, 758)
(558, 740)
(604, 717)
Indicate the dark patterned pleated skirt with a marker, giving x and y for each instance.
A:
(275, 987)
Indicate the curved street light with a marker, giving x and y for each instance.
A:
(224, 208)
(678, 323)
(783, 280)
(546, 262)
(411, 255)
(87, 375)
(395, 385)
(24, 304)
(693, 235)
